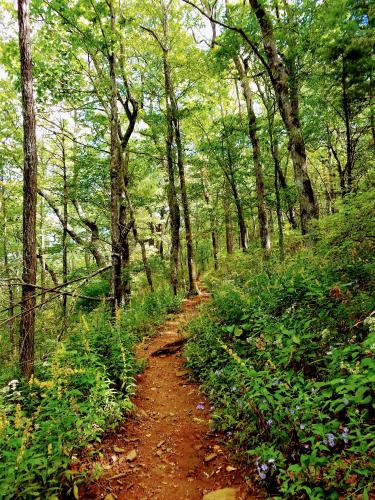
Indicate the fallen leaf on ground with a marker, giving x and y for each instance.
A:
(109, 497)
(230, 468)
(210, 457)
(132, 455)
(118, 450)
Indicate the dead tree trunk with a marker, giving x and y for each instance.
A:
(27, 323)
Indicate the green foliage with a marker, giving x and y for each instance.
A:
(286, 355)
(81, 390)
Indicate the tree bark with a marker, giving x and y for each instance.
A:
(287, 99)
(27, 322)
(174, 208)
(193, 290)
(253, 136)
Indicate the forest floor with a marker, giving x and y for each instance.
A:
(165, 450)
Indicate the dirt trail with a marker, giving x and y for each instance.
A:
(165, 450)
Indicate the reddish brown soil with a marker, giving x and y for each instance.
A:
(169, 434)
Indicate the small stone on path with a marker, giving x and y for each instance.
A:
(222, 494)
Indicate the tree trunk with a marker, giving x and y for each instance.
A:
(193, 290)
(253, 136)
(240, 217)
(286, 99)
(348, 172)
(278, 207)
(27, 323)
(228, 221)
(174, 208)
(115, 168)
(64, 238)
(124, 232)
(6, 266)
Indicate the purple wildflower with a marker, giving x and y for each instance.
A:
(269, 422)
(262, 475)
(264, 467)
(200, 406)
(302, 426)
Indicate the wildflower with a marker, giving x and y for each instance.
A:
(234, 389)
(307, 446)
(302, 426)
(229, 433)
(292, 412)
(313, 390)
(346, 430)
(262, 475)
(264, 467)
(331, 440)
(271, 460)
(13, 384)
(200, 406)
(297, 407)
(325, 442)
(269, 422)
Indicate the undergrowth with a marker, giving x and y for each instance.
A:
(286, 354)
(80, 390)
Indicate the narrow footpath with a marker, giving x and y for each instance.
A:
(165, 450)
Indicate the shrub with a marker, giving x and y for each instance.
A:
(286, 354)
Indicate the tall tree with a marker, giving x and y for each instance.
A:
(27, 323)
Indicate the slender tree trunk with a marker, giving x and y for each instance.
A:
(27, 323)
(286, 98)
(214, 238)
(193, 290)
(240, 217)
(228, 221)
(252, 123)
(278, 208)
(142, 245)
(11, 324)
(348, 172)
(64, 238)
(174, 209)
(115, 168)
(124, 232)
(41, 251)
